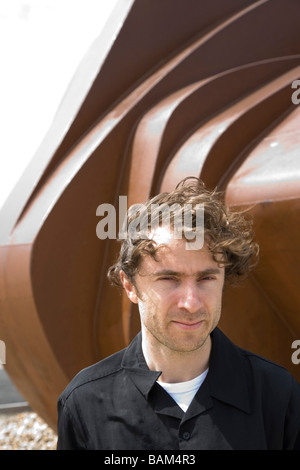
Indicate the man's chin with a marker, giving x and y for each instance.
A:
(188, 344)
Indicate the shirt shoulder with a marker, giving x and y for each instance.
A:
(262, 363)
(267, 372)
(99, 371)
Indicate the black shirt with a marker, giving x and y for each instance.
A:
(245, 402)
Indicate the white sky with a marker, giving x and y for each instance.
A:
(41, 44)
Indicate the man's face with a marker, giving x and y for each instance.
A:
(179, 295)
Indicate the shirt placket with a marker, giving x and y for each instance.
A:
(188, 430)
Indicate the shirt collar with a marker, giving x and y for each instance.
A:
(136, 366)
(226, 380)
(227, 376)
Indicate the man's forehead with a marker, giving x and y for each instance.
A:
(167, 242)
(162, 235)
(172, 255)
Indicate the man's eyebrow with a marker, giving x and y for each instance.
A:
(170, 272)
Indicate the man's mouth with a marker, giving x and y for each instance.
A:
(185, 325)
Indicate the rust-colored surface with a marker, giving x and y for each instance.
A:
(169, 89)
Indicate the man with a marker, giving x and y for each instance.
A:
(181, 384)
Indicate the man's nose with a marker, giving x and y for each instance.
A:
(190, 298)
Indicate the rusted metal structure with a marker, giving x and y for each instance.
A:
(169, 89)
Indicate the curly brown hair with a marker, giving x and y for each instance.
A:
(227, 232)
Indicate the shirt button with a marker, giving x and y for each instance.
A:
(186, 435)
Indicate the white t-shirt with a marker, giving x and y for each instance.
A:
(184, 392)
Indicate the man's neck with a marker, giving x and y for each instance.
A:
(176, 366)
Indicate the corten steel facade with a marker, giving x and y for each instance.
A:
(170, 89)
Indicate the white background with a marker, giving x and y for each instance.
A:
(41, 44)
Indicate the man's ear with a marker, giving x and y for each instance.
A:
(129, 288)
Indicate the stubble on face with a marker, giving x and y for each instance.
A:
(164, 324)
(171, 334)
